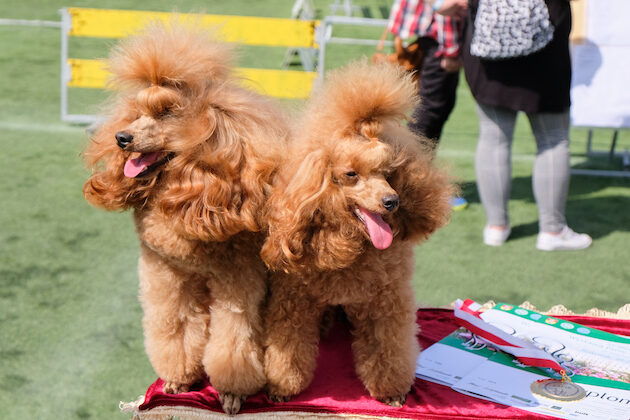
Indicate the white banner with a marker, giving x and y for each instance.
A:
(600, 88)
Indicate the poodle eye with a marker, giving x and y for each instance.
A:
(165, 112)
(351, 174)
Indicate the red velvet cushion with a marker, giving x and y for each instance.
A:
(336, 389)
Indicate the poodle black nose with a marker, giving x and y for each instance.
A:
(390, 202)
(123, 139)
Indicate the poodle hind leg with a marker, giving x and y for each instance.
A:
(175, 322)
(291, 347)
(233, 357)
(385, 346)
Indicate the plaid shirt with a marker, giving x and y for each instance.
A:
(413, 18)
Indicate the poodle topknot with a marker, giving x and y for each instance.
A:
(172, 54)
(352, 97)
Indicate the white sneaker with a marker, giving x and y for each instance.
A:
(566, 240)
(495, 237)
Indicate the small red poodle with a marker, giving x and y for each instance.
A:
(193, 154)
(356, 194)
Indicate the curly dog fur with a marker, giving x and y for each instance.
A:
(193, 155)
(355, 195)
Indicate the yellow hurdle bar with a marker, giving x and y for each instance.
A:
(102, 23)
(87, 73)
(278, 83)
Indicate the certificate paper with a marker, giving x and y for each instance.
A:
(596, 360)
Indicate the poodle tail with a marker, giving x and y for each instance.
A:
(178, 53)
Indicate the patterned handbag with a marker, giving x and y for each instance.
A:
(510, 28)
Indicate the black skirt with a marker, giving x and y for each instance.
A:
(539, 82)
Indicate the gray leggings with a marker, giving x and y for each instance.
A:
(551, 166)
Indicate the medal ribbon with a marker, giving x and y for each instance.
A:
(467, 315)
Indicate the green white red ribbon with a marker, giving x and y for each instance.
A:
(468, 315)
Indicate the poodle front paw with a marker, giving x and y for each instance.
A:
(171, 387)
(278, 398)
(396, 401)
(231, 403)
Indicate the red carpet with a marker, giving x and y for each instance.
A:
(337, 390)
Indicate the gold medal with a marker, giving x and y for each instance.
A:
(558, 390)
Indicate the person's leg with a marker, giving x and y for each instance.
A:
(551, 182)
(550, 178)
(494, 169)
(437, 92)
(437, 89)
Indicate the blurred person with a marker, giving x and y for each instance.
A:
(438, 38)
(449, 7)
(528, 70)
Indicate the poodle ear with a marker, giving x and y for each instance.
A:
(219, 188)
(424, 191)
(108, 187)
(306, 216)
(206, 205)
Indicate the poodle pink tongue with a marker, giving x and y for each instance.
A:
(379, 231)
(133, 167)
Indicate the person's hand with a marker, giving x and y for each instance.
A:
(453, 7)
(450, 64)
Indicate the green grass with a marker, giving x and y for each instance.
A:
(70, 335)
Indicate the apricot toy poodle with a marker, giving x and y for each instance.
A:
(356, 194)
(193, 154)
